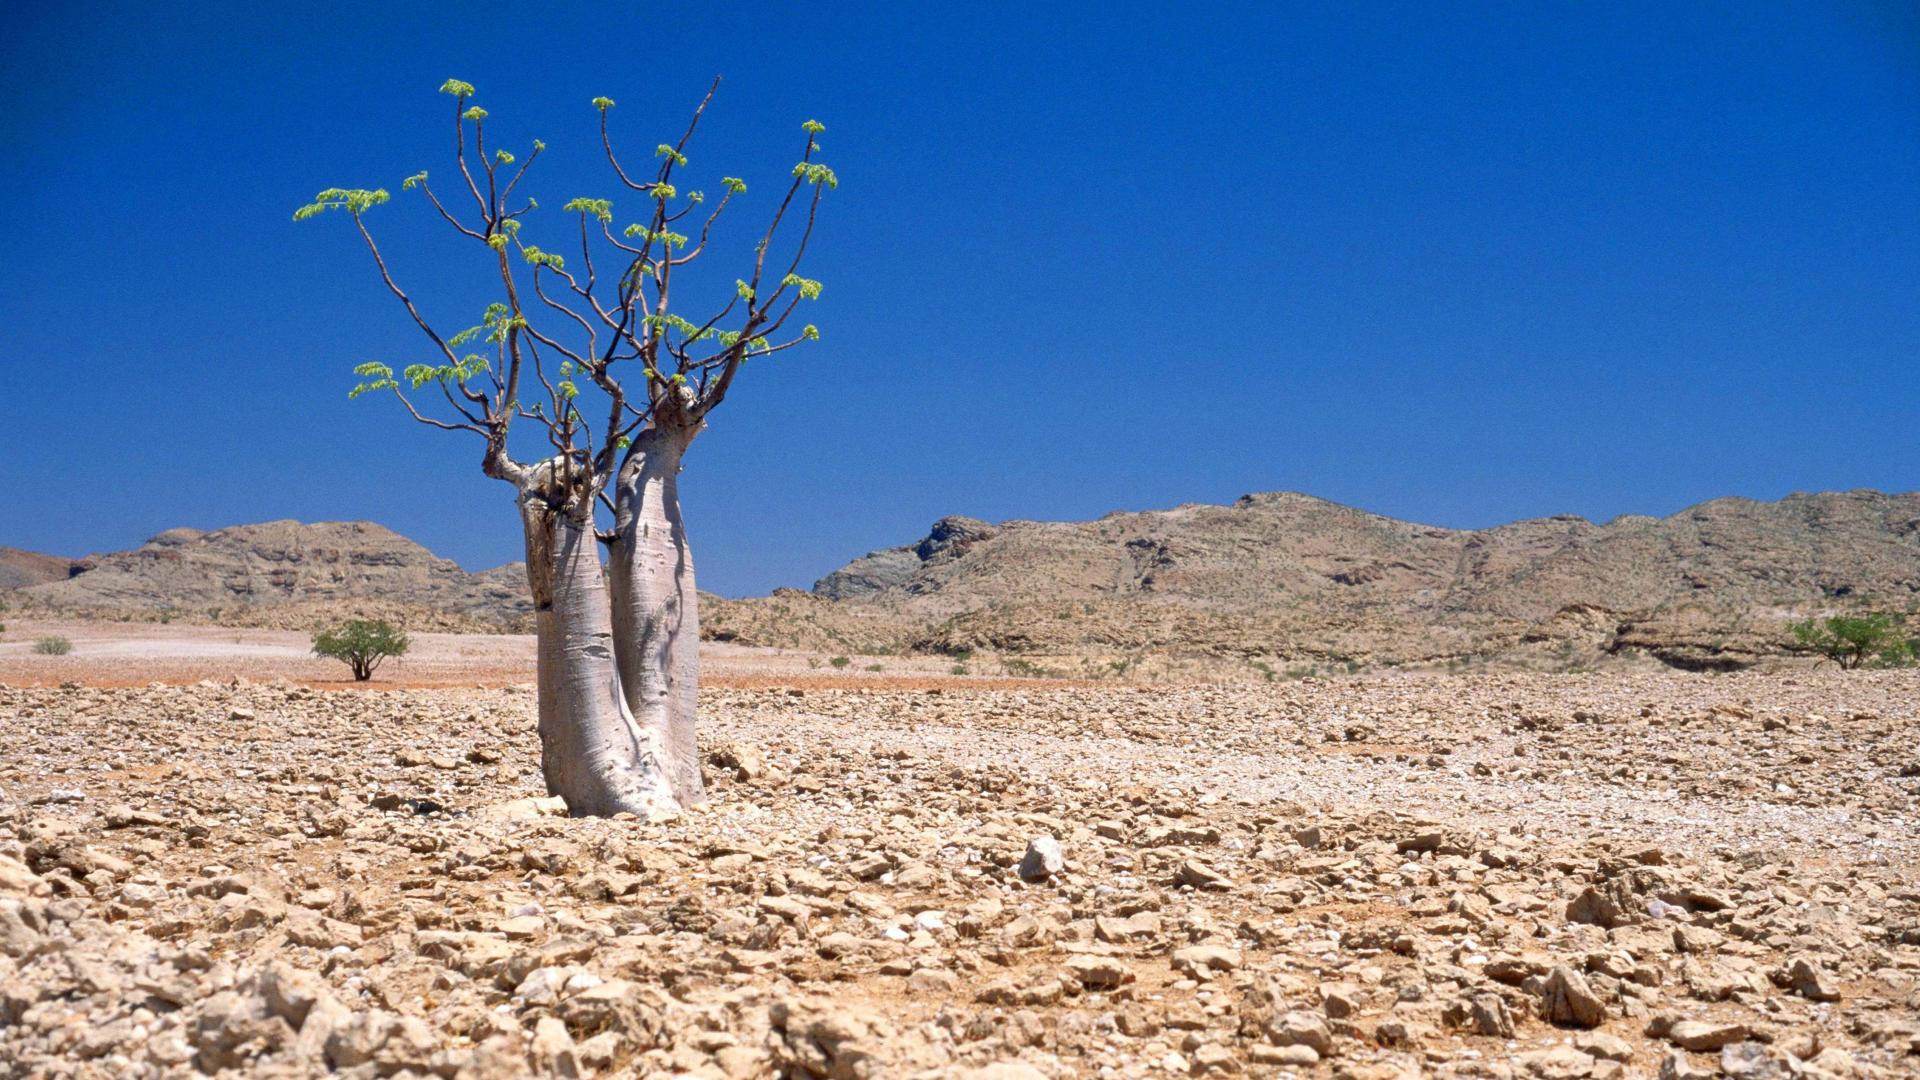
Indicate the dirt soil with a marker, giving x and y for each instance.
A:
(136, 653)
(905, 873)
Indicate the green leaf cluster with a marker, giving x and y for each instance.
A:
(495, 322)
(816, 173)
(374, 376)
(665, 237)
(670, 321)
(600, 208)
(355, 201)
(809, 287)
(418, 375)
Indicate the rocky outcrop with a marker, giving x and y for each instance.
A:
(20, 569)
(898, 568)
(279, 566)
(1291, 576)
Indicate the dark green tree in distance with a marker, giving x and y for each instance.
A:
(363, 644)
(1874, 639)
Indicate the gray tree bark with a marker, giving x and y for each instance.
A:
(593, 752)
(656, 609)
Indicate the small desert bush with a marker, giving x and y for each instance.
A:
(840, 661)
(53, 646)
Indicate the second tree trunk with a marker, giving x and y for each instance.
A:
(656, 610)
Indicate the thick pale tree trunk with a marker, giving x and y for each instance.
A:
(594, 754)
(656, 612)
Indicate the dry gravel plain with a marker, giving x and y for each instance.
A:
(1498, 875)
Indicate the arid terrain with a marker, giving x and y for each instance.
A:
(216, 858)
(1274, 582)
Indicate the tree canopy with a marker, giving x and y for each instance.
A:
(583, 328)
(363, 644)
(1856, 641)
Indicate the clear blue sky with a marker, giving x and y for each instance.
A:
(1454, 263)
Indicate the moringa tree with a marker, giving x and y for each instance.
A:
(561, 347)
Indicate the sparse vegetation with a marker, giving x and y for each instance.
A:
(1873, 639)
(1569, 660)
(875, 667)
(840, 661)
(362, 644)
(1028, 669)
(53, 646)
(960, 669)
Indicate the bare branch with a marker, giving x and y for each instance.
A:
(395, 289)
(524, 165)
(460, 155)
(451, 220)
(431, 422)
(666, 167)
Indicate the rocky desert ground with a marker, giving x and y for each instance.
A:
(909, 874)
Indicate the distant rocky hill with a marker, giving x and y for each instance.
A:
(1272, 582)
(1286, 577)
(286, 573)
